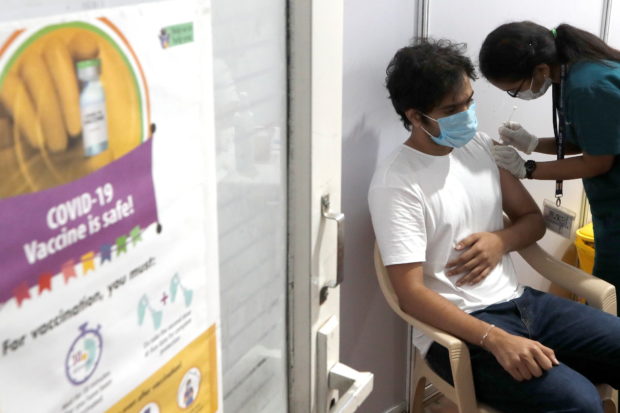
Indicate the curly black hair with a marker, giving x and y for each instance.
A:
(421, 75)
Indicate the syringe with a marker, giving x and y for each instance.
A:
(512, 113)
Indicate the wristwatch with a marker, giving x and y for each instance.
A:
(530, 167)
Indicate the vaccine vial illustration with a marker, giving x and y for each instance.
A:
(92, 107)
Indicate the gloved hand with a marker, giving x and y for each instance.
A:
(507, 157)
(512, 133)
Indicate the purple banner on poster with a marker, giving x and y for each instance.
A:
(82, 223)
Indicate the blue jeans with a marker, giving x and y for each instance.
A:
(586, 341)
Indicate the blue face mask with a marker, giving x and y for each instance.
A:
(456, 130)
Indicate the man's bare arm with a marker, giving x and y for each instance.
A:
(527, 224)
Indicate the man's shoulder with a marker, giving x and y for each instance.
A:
(481, 143)
(483, 139)
(391, 169)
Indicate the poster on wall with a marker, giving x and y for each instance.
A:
(109, 291)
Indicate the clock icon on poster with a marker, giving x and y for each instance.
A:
(84, 355)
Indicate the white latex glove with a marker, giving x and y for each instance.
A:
(507, 157)
(513, 134)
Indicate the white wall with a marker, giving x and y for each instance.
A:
(372, 337)
(613, 37)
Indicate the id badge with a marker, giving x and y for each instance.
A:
(558, 219)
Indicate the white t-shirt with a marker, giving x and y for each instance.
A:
(422, 205)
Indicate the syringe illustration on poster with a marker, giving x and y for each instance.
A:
(108, 287)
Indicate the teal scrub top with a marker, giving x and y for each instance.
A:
(592, 102)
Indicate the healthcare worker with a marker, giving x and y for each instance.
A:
(525, 59)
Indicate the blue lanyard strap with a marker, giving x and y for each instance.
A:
(559, 125)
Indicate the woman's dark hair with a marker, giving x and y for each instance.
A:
(511, 51)
(421, 75)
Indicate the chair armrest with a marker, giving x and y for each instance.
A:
(463, 391)
(598, 293)
(460, 364)
(443, 338)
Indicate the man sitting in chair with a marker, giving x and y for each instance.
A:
(436, 204)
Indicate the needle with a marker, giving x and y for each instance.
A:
(512, 113)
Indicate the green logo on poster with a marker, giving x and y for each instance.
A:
(176, 35)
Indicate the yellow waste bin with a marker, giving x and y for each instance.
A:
(584, 241)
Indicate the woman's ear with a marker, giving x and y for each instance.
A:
(544, 69)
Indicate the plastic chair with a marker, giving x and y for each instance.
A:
(598, 293)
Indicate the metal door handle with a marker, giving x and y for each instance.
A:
(339, 218)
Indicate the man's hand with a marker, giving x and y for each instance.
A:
(482, 252)
(523, 358)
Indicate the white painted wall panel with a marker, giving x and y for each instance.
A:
(613, 36)
(372, 337)
(470, 22)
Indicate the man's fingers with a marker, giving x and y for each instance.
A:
(481, 276)
(532, 365)
(465, 268)
(461, 260)
(471, 276)
(550, 354)
(516, 375)
(513, 370)
(543, 359)
(467, 242)
(520, 373)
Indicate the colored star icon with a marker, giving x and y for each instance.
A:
(21, 293)
(45, 282)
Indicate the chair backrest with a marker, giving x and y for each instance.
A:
(386, 285)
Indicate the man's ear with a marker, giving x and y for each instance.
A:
(414, 117)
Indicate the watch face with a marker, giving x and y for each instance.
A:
(530, 166)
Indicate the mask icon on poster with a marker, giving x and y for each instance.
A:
(144, 305)
(156, 315)
(175, 283)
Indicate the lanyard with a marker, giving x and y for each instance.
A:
(559, 124)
